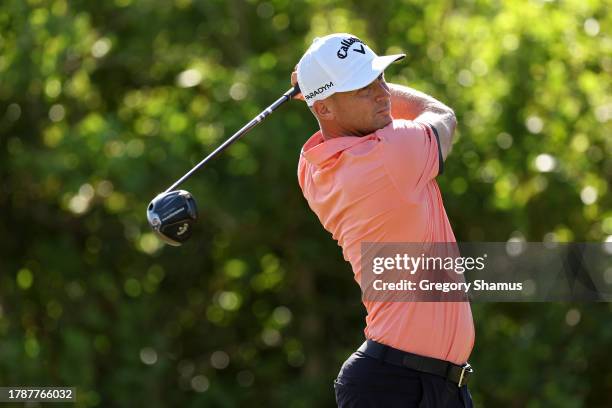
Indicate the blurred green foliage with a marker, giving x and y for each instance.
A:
(104, 104)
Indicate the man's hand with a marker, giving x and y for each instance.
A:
(294, 82)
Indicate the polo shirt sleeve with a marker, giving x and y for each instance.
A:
(412, 155)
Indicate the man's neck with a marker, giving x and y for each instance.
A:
(333, 131)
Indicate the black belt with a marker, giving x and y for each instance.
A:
(452, 372)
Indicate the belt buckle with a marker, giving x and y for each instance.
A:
(466, 368)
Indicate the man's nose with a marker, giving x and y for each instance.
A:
(382, 90)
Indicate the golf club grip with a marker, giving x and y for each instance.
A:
(244, 130)
(293, 91)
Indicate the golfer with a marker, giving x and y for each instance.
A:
(369, 174)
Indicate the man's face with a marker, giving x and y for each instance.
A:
(362, 111)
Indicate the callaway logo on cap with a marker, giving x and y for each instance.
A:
(339, 62)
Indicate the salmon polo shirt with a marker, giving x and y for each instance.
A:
(381, 188)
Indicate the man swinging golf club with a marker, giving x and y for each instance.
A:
(369, 175)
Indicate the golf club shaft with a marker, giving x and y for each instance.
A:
(245, 129)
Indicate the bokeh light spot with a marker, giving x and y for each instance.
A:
(25, 278)
(504, 140)
(200, 383)
(245, 378)
(229, 301)
(189, 78)
(238, 91)
(282, 315)
(545, 163)
(57, 112)
(132, 287)
(591, 27)
(572, 317)
(271, 337)
(101, 47)
(534, 124)
(219, 360)
(148, 355)
(588, 195)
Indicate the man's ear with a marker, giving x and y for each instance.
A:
(323, 109)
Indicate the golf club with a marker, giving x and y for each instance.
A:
(172, 213)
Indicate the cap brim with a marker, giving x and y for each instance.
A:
(369, 72)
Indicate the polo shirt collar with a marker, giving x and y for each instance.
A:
(317, 150)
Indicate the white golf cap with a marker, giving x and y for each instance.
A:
(338, 62)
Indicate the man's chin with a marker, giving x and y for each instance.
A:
(378, 124)
(384, 121)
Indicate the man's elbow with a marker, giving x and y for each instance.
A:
(453, 126)
(450, 124)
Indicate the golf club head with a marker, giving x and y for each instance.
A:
(172, 215)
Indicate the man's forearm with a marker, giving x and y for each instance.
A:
(408, 103)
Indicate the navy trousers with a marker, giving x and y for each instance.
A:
(365, 382)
